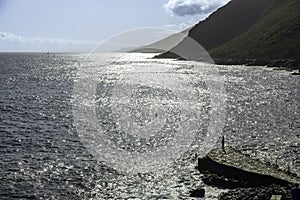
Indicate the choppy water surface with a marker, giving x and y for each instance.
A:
(43, 156)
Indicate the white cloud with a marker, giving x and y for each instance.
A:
(193, 7)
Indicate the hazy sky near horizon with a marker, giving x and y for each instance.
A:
(78, 25)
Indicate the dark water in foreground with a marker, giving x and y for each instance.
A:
(42, 156)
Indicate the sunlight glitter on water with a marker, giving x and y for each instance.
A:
(42, 153)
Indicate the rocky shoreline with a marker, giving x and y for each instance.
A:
(245, 177)
(280, 64)
(284, 64)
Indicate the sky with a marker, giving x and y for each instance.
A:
(80, 25)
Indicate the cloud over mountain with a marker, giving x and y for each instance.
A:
(193, 7)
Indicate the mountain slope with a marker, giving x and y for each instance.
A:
(243, 29)
(223, 25)
(275, 36)
(164, 44)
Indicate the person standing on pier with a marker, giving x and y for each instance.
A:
(223, 143)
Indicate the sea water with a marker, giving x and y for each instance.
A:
(45, 154)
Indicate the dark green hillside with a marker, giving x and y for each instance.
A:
(228, 22)
(275, 36)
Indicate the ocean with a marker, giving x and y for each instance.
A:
(125, 126)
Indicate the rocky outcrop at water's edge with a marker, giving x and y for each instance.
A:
(246, 177)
